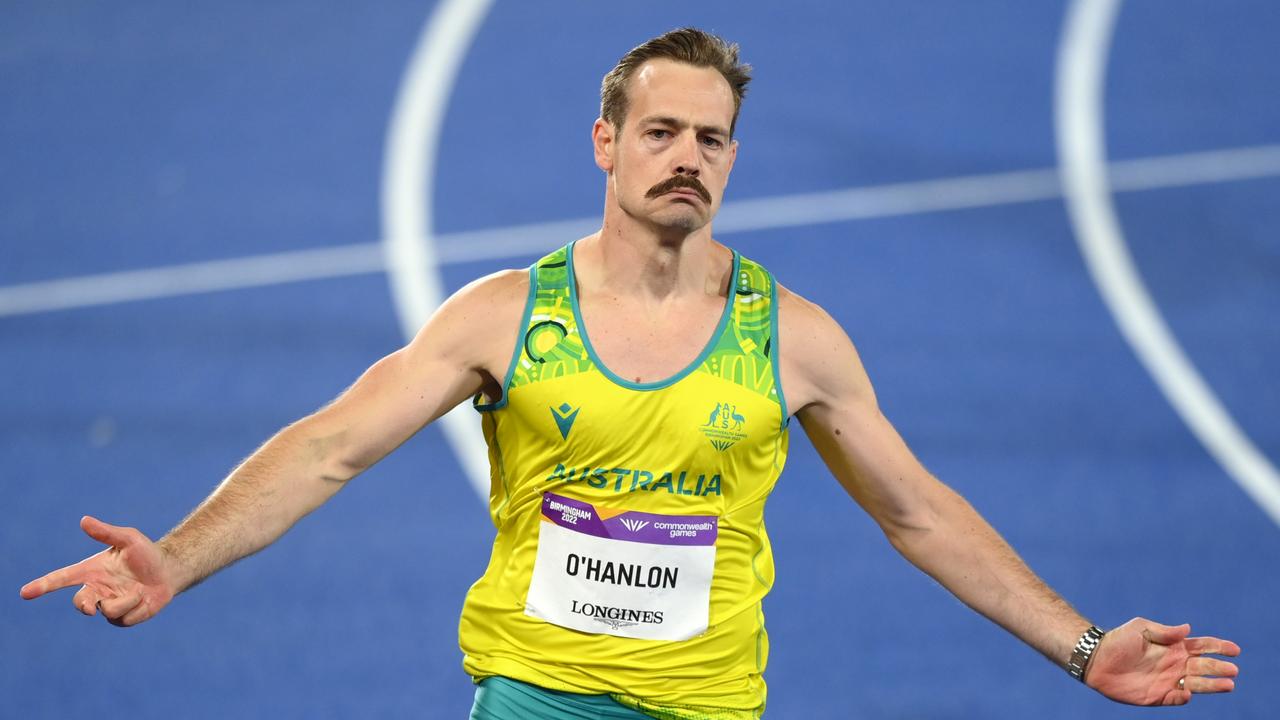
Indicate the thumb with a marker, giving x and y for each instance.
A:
(104, 533)
(1166, 634)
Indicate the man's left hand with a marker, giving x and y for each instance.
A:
(1146, 663)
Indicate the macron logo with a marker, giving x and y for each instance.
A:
(634, 525)
(564, 417)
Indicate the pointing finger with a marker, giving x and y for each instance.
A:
(56, 580)
(104, 533)
(35, 588)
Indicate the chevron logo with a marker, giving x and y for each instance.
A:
(634, 525)
(564, 417)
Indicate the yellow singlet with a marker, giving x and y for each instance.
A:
(631, 556)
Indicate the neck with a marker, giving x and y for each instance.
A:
(649, 265)
(631, 257)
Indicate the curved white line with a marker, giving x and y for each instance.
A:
(409, 165)
(1079, 124)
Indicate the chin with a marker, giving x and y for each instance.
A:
(682, 221)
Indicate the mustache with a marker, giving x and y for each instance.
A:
(676, 182)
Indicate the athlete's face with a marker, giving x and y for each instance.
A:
(669, 162)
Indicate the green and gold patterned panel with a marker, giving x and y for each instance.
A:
(552, 346)
(744, 354)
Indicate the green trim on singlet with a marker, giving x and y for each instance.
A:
(501, 468)
(775, 357)
(742, 354)
(553, 342)
(515, 354)
(549, 308)
(658, 384)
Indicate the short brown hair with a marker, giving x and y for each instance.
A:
(687, 45)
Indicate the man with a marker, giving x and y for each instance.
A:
(631, 389)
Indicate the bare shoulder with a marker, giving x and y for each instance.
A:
(490, 297)
(819, 361)
(476, 327)
(805, 322)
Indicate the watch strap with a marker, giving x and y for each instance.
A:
(1083, 652)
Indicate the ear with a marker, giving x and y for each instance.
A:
(602, 137)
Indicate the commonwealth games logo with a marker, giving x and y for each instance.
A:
(725, 426)
(634, 525)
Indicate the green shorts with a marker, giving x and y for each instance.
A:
(499, 698)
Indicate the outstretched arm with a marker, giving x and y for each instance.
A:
(458, 352)
(934, 527)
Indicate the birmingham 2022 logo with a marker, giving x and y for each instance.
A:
(725, 426)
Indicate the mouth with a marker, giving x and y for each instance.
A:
(681, 187)
(687, 193)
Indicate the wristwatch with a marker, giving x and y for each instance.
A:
(1083, 651)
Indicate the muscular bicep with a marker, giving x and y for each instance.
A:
(391, 401)
(838, 409)
(455, 355)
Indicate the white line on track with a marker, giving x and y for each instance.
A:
(409, 165)
(1080, 119)
(522, 241)
(190, 279)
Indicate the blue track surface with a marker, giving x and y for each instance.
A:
(147, 134)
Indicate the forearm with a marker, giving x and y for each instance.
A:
(292, 474)
(960, 550)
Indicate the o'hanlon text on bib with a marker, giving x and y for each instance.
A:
(622, 572)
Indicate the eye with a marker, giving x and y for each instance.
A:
(712, 142)
(659, 134)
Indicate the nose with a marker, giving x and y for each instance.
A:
(688, 169)
(689, 161)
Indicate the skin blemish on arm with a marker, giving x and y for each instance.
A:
(837, 431)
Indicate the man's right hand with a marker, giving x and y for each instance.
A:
(130, 581)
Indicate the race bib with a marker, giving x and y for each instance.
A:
(620, 572)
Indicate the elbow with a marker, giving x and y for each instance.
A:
(935, 518)
(343, 463)
(330, 453)
(908, 531)
(341, 471)
(911, 526)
